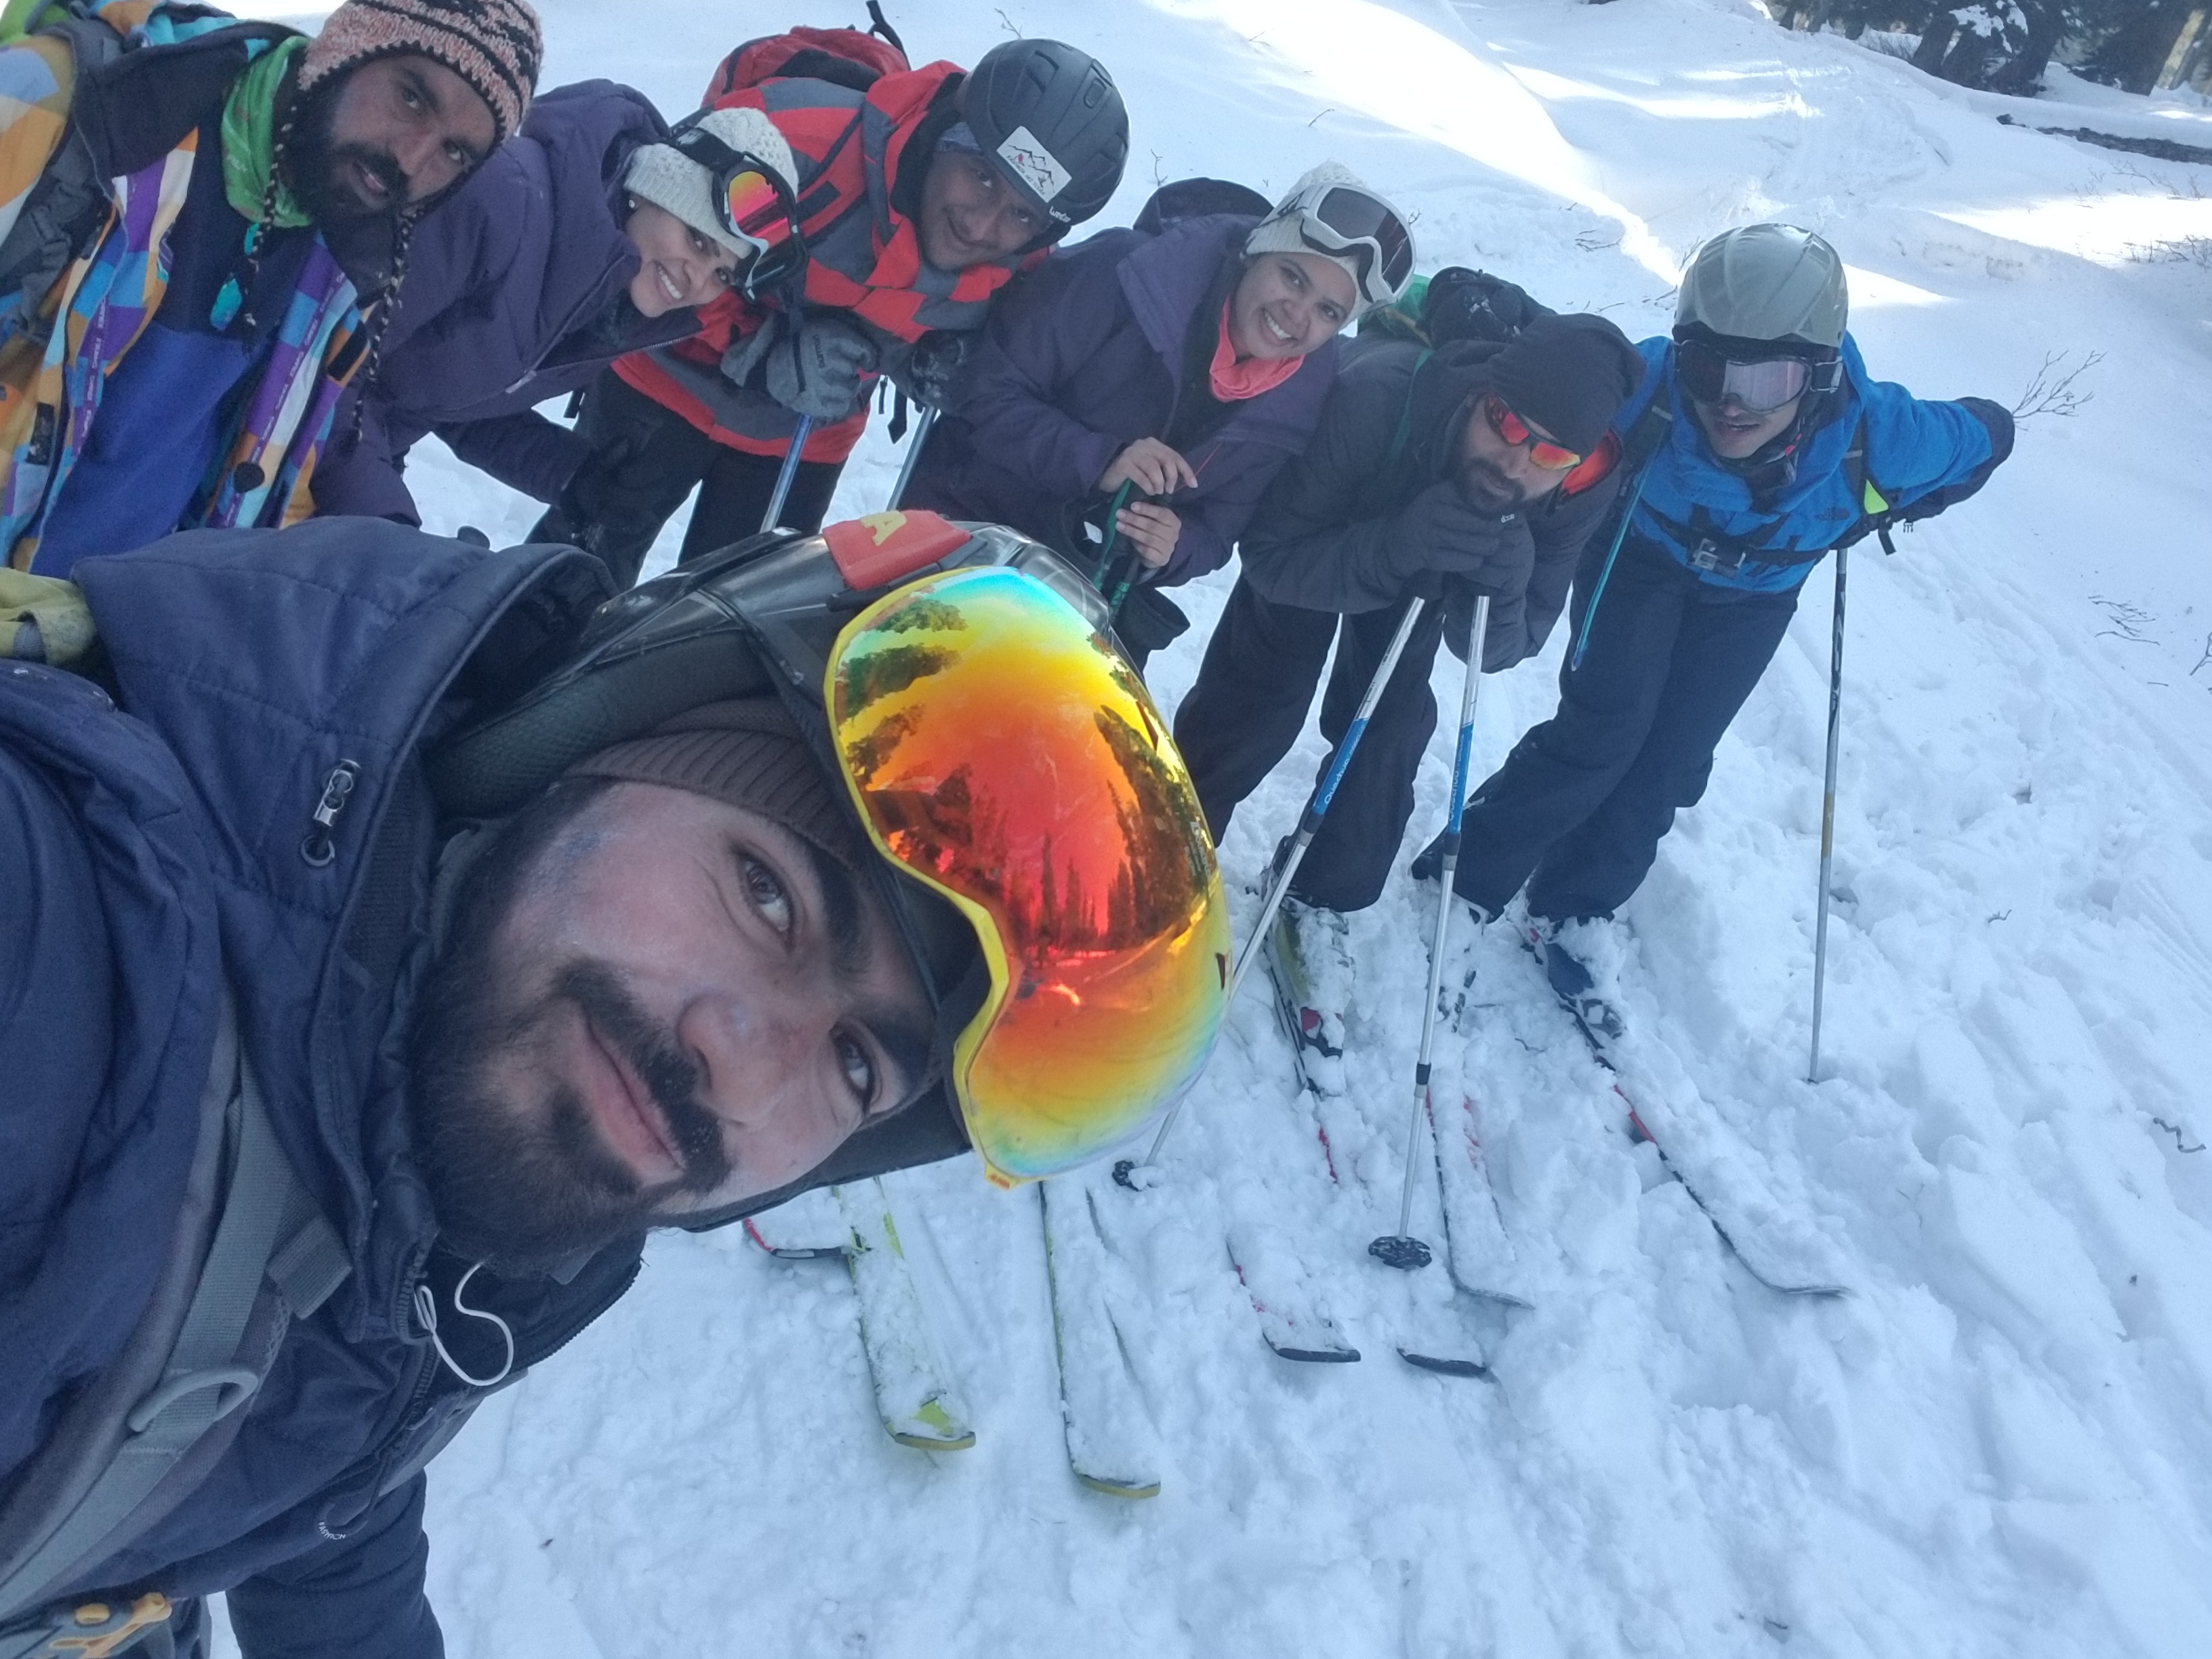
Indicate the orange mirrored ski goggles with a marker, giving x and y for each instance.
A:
(1512, 430)
(1002, 752)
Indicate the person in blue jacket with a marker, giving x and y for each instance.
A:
(1773, 447)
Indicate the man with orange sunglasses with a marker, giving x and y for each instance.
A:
(1473, 468)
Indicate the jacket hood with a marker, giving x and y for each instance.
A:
(370, 640)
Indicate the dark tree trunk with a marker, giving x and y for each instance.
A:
(2045, 23)
(1933, 42)
(2132, 57)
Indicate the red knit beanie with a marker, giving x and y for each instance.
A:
(495, 46)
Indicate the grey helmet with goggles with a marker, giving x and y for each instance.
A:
(1040, 846)
(1051, 119)
(1759, 319)
(729, 175)
(1331, 213)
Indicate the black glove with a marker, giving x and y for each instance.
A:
(929, 371)
(1440, 532)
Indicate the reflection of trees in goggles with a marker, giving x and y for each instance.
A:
(1002, 752)
(1761, 387)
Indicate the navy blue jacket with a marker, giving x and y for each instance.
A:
(150, 847)
(1914, 448)
(1089, 353)
(516, 291)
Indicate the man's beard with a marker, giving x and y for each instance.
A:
(527, 1184)
(1487, 487)
(320, 169)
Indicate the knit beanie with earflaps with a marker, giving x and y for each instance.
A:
(495, 46)
(751, 754)
(664, 176)
(1569, 374)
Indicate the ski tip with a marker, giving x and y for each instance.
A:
(1314, 1356)
(808, 1252)
(1133, 1486)
(1446, 1365)
(924, 1438)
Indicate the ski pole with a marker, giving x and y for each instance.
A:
(771, 520)
(1401, 1249)
(918, 437)
(1828, 818)
(1309, 824)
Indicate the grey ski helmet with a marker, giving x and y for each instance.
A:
(1052, 118)
(1768, 284)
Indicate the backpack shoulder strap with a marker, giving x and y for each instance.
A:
(1404, 435)
(248, 1231)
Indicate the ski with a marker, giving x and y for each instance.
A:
(1111, 1444)
(1775, 1249)
(809, 1228)
(913, 1393)
(917, 1404)
(1290, 1324)
(1477, 1249)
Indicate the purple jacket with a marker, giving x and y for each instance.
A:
(1094, 350)
(514, 292)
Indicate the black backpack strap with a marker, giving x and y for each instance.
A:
(198, 1353)
(1404, 435)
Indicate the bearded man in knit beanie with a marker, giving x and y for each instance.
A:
(280, 177)
(1477, 468)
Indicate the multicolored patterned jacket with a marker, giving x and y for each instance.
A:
(58, 349)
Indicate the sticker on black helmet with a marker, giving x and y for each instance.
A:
(1034, 164)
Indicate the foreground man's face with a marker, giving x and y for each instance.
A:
(682, 1004)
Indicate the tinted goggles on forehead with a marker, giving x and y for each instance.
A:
(1762, 384)
(1345, 220)
(755, 209)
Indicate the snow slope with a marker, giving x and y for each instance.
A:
(2001, 1443)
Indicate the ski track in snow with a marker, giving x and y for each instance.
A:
(2001, 1443)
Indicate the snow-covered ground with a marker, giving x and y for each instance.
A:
(2000, 1444)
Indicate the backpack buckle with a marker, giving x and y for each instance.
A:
(1709, 555)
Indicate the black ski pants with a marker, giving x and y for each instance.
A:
(1249, 704)
(1579, 808)
(646, 459)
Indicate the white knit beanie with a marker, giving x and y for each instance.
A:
(1281, 231)
(667, 178)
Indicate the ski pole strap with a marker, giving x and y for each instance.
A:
(1112, 533)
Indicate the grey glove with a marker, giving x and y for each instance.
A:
(823, 368)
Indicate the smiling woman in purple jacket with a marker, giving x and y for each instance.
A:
(587, 235)
(1187, 362)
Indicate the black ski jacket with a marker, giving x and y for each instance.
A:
(1370, 512)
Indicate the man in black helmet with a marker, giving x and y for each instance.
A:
(920, 196)
(1762, 443)
(419, 930)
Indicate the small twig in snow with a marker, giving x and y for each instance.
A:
(1008, 21)
(2046, 395)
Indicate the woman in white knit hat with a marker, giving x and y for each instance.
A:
(1131, 400)
(594, 232)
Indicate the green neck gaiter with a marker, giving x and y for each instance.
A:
(249, 138)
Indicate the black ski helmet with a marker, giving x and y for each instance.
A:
(1052, 118)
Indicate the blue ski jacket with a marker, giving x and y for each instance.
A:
(1696, 511)
(157, 842)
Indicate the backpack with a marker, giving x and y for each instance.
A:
(1456, 304)
(846, 58)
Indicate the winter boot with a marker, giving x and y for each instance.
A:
(1310, 959)
(1582, 960)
